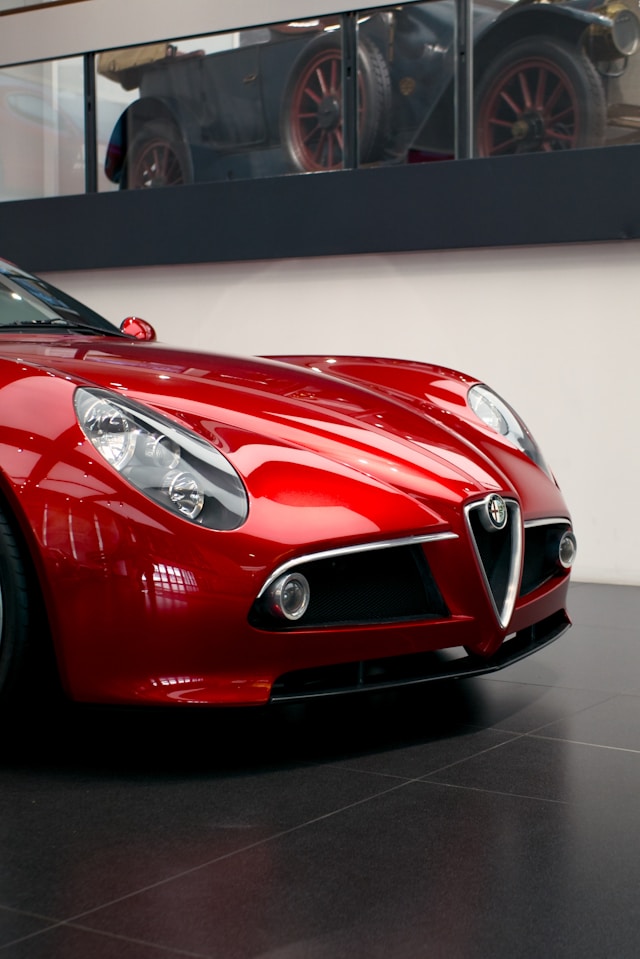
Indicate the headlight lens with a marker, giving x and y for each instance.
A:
(498, 416)
(616, 33)
(168, 463)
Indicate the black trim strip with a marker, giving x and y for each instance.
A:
(415, 669)
(576, 196)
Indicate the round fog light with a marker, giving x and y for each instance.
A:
(289, 596)
(567, 549)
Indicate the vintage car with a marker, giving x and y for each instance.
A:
(179, 527)
(548, 76)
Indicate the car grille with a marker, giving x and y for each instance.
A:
(393, 583)
(499, 552)
(541, 553)
(362, 587)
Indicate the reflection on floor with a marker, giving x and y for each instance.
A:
(494, 817)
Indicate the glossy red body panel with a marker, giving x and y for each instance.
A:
(145, 606)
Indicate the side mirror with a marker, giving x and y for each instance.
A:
(139, 329)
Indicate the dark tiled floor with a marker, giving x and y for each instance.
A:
(495, 817)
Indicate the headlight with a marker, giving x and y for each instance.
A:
(498, 416)
(168, 463)
(616, 36)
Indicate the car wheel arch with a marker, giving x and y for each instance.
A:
(556, 23)
(36, 666)
(22, 528)
(129, 125)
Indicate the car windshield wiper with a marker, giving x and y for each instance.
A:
(58, 323)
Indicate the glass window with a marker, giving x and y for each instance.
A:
(555, 76)
(406, 83)
(544, 77)
(42, 122)
(277, 99)
(223, 107)
(379, 86)
(312, 97)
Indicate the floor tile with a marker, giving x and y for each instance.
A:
(67, 942)
(423, 871)
(16, 925)
(586, 657)
(74, 836)
(614, 723)
(490, 817)
(555, 771)
(523, 707)
(606, 605)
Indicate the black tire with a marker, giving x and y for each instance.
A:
(157, 157)
(15, 606)
(539, 95)
(311, 120)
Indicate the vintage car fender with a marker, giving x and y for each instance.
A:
(565, 22)
(131, 122)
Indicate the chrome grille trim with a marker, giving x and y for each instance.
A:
(359, 548)
(547, 521)
(502, 606)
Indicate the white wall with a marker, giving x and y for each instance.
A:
(552, 329)
(100, 24)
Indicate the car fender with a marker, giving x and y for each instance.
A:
(566, 23)
(132, 120)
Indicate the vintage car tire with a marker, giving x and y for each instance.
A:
(156, 157)
(513, 113)
(15, 603)
(315, 146)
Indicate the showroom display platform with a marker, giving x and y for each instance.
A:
(492, 816)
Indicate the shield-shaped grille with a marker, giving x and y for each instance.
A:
(499, 551)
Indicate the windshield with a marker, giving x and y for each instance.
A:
(31, 303)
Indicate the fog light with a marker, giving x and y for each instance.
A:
(289, 596)
(567, 549)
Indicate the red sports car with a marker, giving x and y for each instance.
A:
(202, 529)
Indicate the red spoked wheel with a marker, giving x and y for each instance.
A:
(157, 157)
(312, 122)
(540, 95)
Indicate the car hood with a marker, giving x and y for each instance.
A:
(243, 405)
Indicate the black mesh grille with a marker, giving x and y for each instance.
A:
(376, 586)
(541, 554)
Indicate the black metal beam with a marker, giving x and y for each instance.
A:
(567, 197)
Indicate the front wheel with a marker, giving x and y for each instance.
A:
(539, 95)
(157, 157)
(312, 124)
